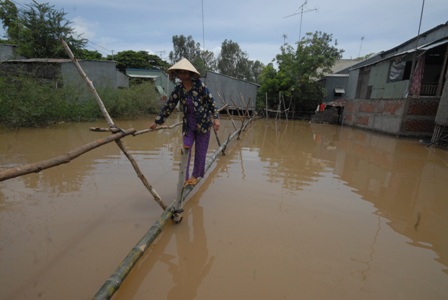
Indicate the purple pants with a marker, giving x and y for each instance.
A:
(201, 140)
(200, 152)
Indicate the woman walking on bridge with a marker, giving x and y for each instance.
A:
(200, 114)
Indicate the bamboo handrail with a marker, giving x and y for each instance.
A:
(227, 110)
(61, 159)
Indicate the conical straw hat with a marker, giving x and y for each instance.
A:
(183, 64)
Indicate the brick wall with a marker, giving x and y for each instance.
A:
(411, 117)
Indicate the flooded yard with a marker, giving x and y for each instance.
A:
(292, 211)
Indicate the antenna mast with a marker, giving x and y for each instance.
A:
(302, 11)
(360, 46)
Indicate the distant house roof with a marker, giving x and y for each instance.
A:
(161, 80)
(343, 64)
(144, 73)
(54, 60)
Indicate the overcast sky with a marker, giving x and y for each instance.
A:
(258, 26)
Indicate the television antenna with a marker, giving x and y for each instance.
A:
(360, 46)
(302, 10)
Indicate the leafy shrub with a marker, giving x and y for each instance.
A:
(29, 102)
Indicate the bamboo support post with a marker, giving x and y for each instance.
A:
(266, 106)
(140, 175)
(237, 107)
(89, 84)
(227, 111)
(112, 126)
(178, 208)
(246, 111)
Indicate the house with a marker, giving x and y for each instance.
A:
(8, 51)
(336, 88)
(62, 72)
(399, 92)
(336, 83)
(163, 84)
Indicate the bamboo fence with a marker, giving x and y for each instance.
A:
(172, 211)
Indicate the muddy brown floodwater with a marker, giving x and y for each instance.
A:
(292, 211)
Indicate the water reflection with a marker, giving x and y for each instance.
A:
(402, 178)
(182, 249)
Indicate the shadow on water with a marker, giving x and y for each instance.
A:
(292, 210)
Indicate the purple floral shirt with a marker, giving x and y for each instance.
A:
(203, 104)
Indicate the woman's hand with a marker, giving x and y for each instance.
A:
(153, 126)
(216, 124)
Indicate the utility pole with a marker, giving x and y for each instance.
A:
(414, 62)
(203, 27)
(301, 12)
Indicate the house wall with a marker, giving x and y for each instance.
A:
(332, 82)
(101, 73)
(411, 117)
(442, 111)
(6, 52)
(350, 93)
(122, 81)
(231, 90)
(380, 103)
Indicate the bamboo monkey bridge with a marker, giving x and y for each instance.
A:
(172, 211)
(279, 110)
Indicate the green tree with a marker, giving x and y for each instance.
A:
(37, 30)
(186, 47)
(137, 59)
(88, 54)
(9, 14)
(257, 69)
(299, 71)
(233, 61)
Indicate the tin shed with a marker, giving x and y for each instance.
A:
(235, 92)
(63, 72)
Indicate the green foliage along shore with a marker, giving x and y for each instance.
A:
(27, 102)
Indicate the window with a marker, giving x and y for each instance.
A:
(400, 69)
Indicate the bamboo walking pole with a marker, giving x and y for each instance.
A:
(178, 208)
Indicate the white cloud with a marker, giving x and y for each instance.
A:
(84, 28)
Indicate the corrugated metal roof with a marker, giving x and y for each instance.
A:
(143, 73)
(425, 47)
(433, 45)
(143, 76)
